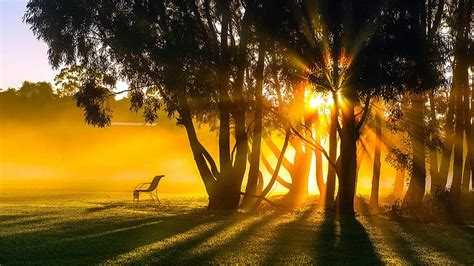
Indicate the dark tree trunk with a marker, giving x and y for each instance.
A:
(466, 175)
(374, 195)
(470, 132)
(348, 155)
(416, 188)
(448, 145)
(331, 177)
(319, 163)
(257, 130)
(224, 101)
(239, 106)
(197, 149)
(226, 193)
(460, 83)
(434, 175)
(469, 110)
(458, 138)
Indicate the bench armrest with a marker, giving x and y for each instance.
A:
(139, 186)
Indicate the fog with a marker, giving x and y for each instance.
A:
(49, 146)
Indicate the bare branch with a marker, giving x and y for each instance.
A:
(366, 111)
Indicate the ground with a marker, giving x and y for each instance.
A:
(83, 228)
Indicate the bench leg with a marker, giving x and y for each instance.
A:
(136, 196)
(156, 195)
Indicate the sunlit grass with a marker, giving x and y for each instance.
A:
(82, 228)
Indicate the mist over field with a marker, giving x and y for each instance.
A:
(48, 145)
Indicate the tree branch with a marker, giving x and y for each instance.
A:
(277, 170)
(261, 198)
(366, 111)
(437, 20)
(269, 168)
(316, 146)
(268, 140)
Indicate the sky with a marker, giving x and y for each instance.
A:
(22, 57)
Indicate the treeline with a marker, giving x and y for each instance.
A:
(38, 102)
(304, 70)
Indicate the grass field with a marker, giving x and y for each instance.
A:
(72, 228)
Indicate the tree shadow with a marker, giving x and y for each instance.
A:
(235, 241)
(180, 253)
(288, 237)
(103, 207)
(343, 240)
(93, 241)
(398, 242)
(456, 242)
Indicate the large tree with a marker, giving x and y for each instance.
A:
(173, 57)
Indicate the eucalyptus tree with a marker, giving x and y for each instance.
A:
(357, 50)
(186, 57)
(461, 29)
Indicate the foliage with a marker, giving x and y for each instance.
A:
(436, 208)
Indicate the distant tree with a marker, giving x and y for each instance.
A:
(68, 81)
(374, 194)
(38, 91)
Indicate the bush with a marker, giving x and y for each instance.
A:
(436, 208)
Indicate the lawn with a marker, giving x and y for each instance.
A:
(73, 228)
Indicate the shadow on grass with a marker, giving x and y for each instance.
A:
(287, 236)
(92, 241)
(193, 250)
(455, 242)
(103, 207)
(135, 236)
(343, 240)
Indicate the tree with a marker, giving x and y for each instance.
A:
(41, 92)
(69, 80)
(360, 68)
(214, 62)
(177, 61)
(460, 88)
(374, 195)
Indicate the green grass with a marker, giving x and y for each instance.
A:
(87, 229)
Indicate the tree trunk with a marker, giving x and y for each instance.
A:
(470, 132)
(319, 163)
(257, 130)
(416, 188)
(448, 145)
(399, 183)
(239, 103)
(434, 175)
(224, 101)
(302, 160)
(300, 174)
(275, 174)
(374, 195)
(466, 175)
(348, 151)
(331, 177)
(460, 81)
(469, 110)
(197, 150)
